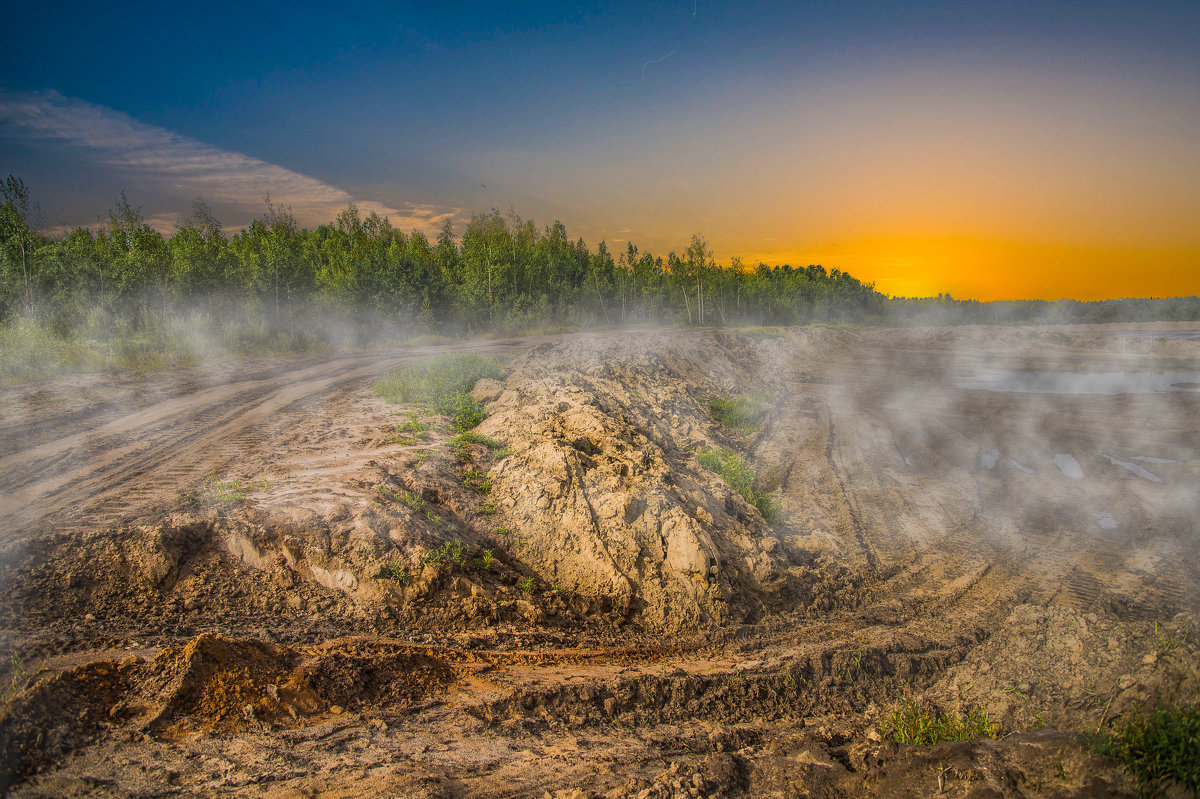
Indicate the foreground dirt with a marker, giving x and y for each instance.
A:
(262, 580)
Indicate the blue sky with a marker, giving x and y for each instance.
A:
(758, 108)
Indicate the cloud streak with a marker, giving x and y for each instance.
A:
(186, 168)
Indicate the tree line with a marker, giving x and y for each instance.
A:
(502, 273)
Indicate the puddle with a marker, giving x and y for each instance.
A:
(1105, 520)
(1133, 467)
(1084, 382)
(1068, 465)
(989, 460)
(1020, 468)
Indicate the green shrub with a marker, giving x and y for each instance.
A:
(914, 722)
(741, 478)
(1160, 751)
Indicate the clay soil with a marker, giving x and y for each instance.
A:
(259, 579)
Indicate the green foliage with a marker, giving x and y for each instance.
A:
(741, 478)
(1165, 644)
(485, 561)
(477, 480)
(409, 431)
(465, 411)
(400, 574)
(1160, 751)
(432, 380)
(463, 439)
(744, 413)
(527, 585)
(442, 382)
(912, 721)
(450, 554)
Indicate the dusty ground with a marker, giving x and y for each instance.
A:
(260, 579)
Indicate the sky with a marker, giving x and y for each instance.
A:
(987, 149)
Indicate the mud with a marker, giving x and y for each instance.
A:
(255, 579)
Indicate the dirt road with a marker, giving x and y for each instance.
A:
(108, 450)
(255, 580)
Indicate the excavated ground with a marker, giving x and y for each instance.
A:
(260, 579)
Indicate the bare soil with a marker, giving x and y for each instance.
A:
(260, 579)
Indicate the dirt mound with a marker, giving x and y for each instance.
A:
(59, 715)
(603, 493)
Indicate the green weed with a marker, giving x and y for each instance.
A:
(447, 556)
(741, 478)
(914, 722)
(464, 411)
(486, 561)
(19, 678)
(442, 382)
(477, 480)
(460, 442)
(745, 413)
(1160, 751)
(400, 574)
(1164, 644)
(224, 492)
(527, 585)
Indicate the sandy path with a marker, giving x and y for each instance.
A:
(142, 455)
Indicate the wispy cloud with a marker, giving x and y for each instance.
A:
(183, 167)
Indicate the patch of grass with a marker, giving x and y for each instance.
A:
(465, 411)
(1164, 644)
(485, 561)
(765, 332)
(19, 677)
(477, 480)
(741, 478)
(443, 383)
(744, 413)
(459, 443)
(914, 722)
(394, 571)
(224, 492)
(527, 585)
(448, 555)
(1160, 751)
(410, 431)
(487, 509)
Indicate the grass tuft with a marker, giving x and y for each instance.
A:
(741, 478)
(914, 722)
(1161, 751)
(745, 413)
(442, 382)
